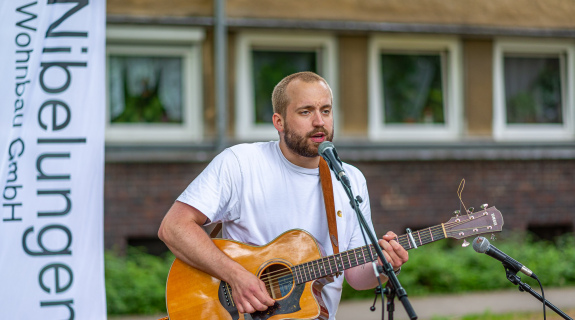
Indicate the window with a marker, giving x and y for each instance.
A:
(533, 98)
(153, 85)
(414, 88)
(262, 61)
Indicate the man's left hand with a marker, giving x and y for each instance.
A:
(394, 253)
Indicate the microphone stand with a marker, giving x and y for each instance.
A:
(390, 294)
(512, 276)
(394, 285)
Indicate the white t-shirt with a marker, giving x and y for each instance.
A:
(258, 194)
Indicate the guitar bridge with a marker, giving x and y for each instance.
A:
(225, 297)
(289, 304)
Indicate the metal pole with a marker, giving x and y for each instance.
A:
(220, 53)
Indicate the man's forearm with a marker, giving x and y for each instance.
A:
(184, 236)
(363, 277)
(182, 232)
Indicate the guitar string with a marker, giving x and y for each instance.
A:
(448, 225)
(331, 263)
(426, 237)
(403, 238)
(281, 275)
(290, 279)
(310, 270)
(313, 271)
(438, 228)
(433, 229)
(404, 241)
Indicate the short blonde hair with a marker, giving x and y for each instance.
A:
(280, 99)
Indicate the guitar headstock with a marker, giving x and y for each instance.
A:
(488, 220)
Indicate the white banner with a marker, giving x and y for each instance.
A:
(52, 114)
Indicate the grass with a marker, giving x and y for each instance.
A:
(551, 315)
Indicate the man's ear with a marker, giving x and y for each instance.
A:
(278, 122)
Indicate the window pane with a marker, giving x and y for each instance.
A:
(533, 90)
(412, 88)
(270, 67)
(145, 89)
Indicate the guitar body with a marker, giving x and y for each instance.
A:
(294, 271)
(193, 294)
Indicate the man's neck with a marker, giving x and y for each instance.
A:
(298, 160)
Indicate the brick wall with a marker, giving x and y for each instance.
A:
(420, 194)
(137, 196)
(413, 194)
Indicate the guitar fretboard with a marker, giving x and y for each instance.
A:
(351, 258)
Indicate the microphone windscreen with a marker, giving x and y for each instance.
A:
(480, 244)
(324, 145)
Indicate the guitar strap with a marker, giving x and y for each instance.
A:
(327, 188)
(216, 230)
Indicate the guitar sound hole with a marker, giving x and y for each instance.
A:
(278, 280)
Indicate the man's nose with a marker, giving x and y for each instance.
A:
(318, 120)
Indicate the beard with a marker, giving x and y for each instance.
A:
(301, 145)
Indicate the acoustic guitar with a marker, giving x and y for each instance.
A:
(294, 271)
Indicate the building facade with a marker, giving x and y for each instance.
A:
(426, 93)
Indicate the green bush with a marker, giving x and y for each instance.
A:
(446, 267)
(136, 282)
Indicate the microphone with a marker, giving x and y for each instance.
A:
(482, 245)
(326, 149)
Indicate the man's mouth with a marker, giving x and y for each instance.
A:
(318, 137)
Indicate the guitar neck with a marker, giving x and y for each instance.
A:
(333, 264)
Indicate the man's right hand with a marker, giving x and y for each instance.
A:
(249, 292)
(181, 231)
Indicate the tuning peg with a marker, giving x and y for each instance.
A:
(470, 210)
(456, 213)
(484, 206)
(493, 236)
(465, 243)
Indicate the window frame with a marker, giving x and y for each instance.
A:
(184, 42)
(502, 131)
(246, 129)
(450, 52)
